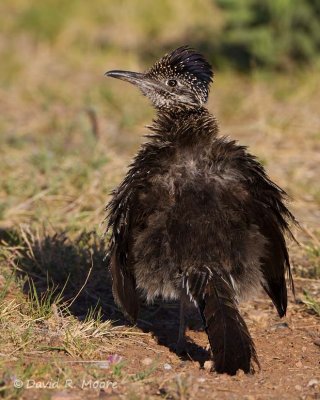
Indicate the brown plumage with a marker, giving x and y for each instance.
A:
(196, 214)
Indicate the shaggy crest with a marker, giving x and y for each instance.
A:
(185, 62)
(187, 65)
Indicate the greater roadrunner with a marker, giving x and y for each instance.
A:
(196, 214)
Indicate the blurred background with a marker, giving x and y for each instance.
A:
(67, 133)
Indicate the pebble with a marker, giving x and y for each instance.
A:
(102, 364)
(317, 342)
(280, 325)
(201, 380)
(298, 387)
(208, 365)
(299, 364)
(167, 366)
(313, 383)
(240, 373)
(147, 361)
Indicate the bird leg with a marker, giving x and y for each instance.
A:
(182, 343)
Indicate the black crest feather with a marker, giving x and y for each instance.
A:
(185, 60)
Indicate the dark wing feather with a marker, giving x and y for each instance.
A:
(124, 214)
(123, 288)
(275, 263)
(123, 282)
(272, 216)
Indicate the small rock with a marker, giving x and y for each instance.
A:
(201, 380)
(313, 383)
(298, 387)
(103, 364)
(317, 342)
(299, 364)
(279, 325)
(208, 365)
(167, 366)
(240, 373)
(147, 361)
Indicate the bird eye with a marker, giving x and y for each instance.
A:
(172, 82)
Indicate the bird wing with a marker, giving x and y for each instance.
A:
(123, 282)
(124, 214)
(270, 213)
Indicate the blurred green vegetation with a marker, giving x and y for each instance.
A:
(237, 34)
(271, 34)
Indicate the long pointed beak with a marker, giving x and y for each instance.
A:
(132, 77)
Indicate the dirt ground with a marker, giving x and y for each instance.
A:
(288, 351)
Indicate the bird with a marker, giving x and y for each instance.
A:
(196, 216)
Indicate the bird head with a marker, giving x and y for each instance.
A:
(180, 79)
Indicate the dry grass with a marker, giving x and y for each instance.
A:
(66, 136)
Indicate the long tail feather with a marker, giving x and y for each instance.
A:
(231, 344)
